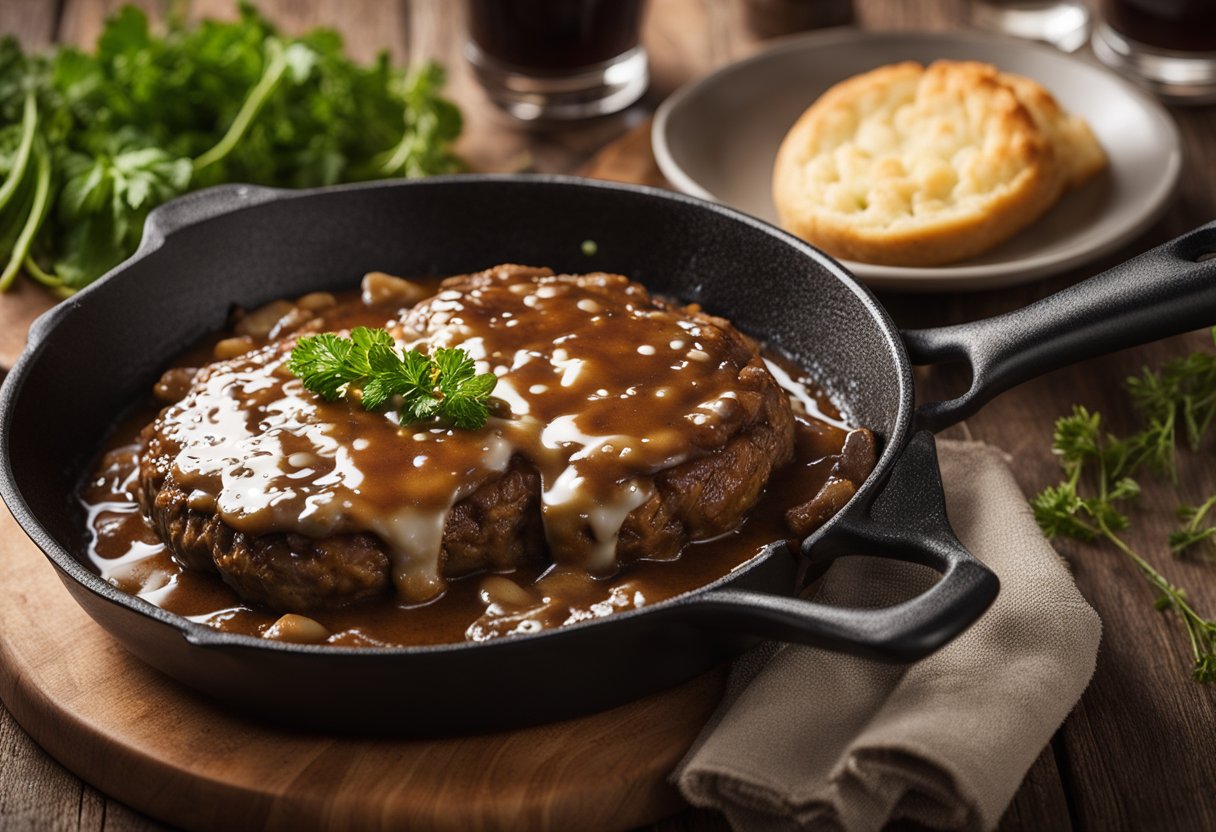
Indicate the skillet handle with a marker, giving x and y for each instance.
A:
(198, 206)
(178, 213)
(1162, 292)
(906, 521)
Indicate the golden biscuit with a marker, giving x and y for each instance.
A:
(911, 166)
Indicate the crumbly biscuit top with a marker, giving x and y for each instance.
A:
(1076, 149)
(905, 144)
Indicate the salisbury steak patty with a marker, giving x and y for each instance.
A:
(626, 427)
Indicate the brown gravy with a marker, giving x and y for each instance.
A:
(126, 551)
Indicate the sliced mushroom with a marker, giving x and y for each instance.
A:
(831, 498)
(857, 457)
(293, 321)
(174, 384)
(379, 287)
(260, 321)
(297, 629)
(233, 347)
(316, 301)
(506, 593)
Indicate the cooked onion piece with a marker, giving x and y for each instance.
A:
(625, 431)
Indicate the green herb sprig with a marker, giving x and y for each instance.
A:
(443, 386)
(1193, 531)
(91, 142)
(1182, 393)
(1099, 480)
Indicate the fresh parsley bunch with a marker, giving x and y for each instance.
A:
(91, 142)
(444, 385)
(1179, 400)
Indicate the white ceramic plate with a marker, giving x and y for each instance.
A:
(718, 138)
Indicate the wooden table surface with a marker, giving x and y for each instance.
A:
(1136, 752)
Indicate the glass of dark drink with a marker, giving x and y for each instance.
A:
(1169, 45)
(558, 59)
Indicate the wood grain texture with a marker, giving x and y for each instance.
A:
(628, 159)
(180, 758)
(1040, 803)
(32, 23)
(19, 306)
(1137, 749)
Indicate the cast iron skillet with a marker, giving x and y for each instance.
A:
(96, 353)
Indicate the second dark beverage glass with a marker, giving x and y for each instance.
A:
(1169, 45)
(558, 59)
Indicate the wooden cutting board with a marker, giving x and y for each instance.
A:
(139, 736)
(19, 306)
(153, 744)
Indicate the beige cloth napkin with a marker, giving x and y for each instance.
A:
(810, 739)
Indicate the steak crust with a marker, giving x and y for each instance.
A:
(498, 527)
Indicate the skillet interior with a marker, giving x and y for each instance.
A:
(103, 349)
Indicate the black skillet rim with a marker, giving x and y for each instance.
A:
(204, 635)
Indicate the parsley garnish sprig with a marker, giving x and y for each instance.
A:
(1193, 532)
(1182, 393)
(92, 141)
(367, 366)
(1099, 471)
